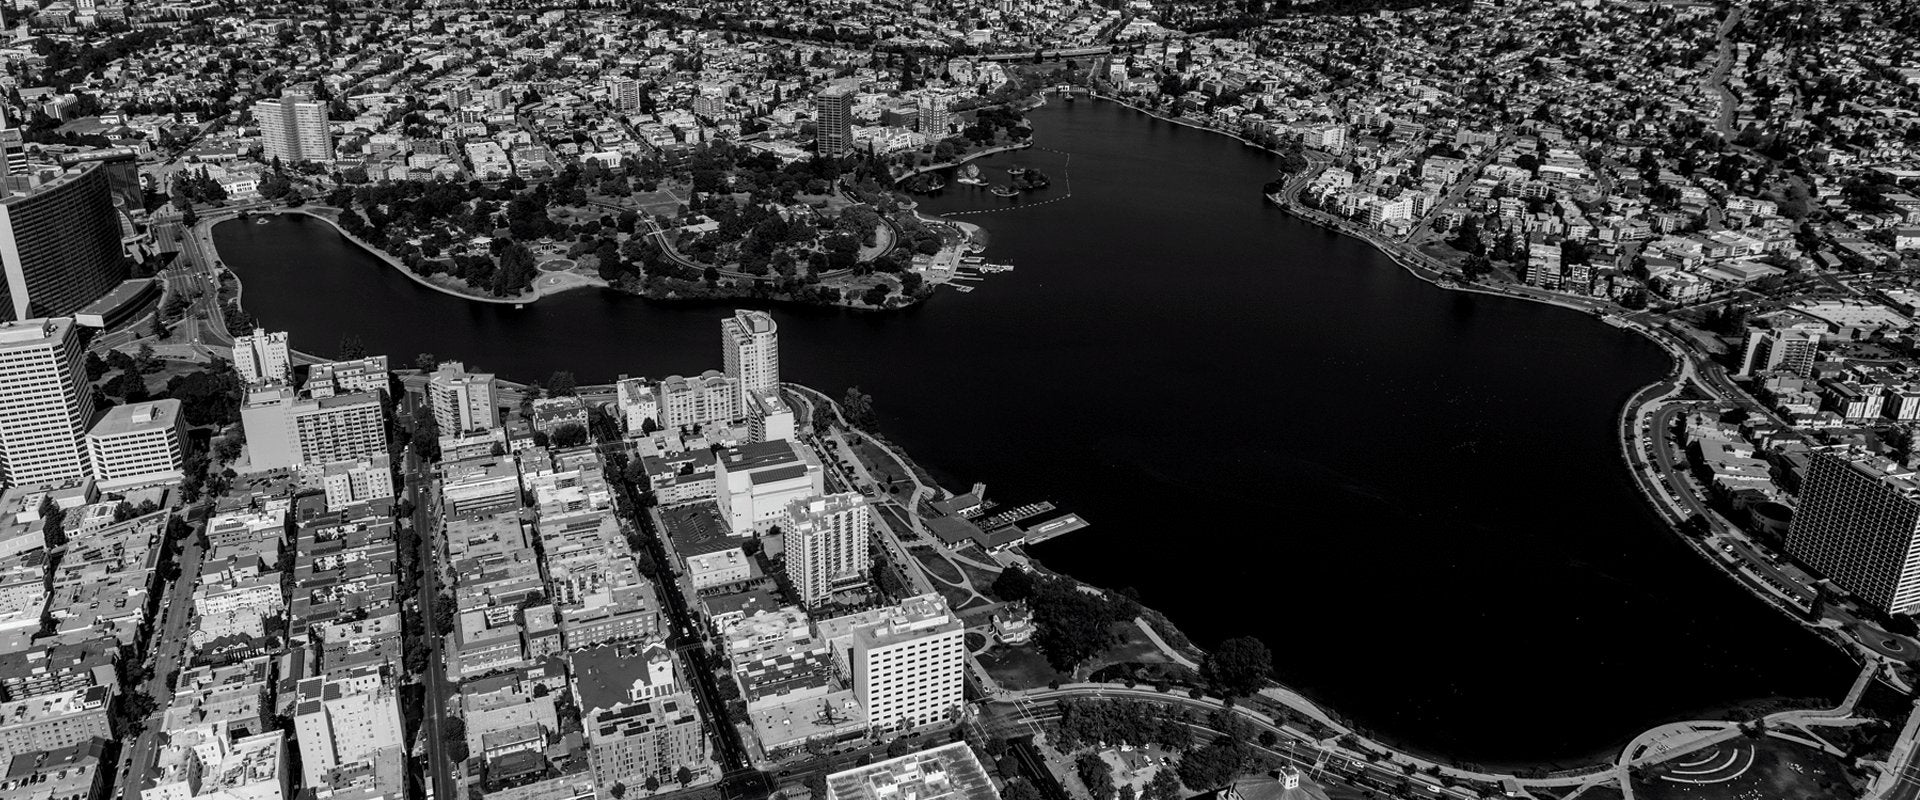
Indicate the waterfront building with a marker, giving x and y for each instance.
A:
(750, 343)
(908, 664)
(293, 130)
(639, 405)
(138, 444)
(948, 772)
(347, 377)
(1789, 349)
(833, 120)
(462, 401)
(826, 546)
(262, 357)
(1859, 525)
(45, 405)
(60, 244)
(935, 118)
(769, 417)
(284, 430)
(757, 483)
(709, 399)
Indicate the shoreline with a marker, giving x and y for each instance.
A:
(963, 160)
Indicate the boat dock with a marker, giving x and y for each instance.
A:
(1066, 523)
(1014, 515)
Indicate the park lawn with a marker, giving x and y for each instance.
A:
(1131, 647)
(941, 569)
(1780, 769)
(1022, 667)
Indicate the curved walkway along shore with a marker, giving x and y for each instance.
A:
(566, 281)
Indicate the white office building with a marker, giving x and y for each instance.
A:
(909, 668)
(293, 130)
(826, 546)
(462, 401)
(45, 405)
(750, 342)
(138, 444)
(261, 357)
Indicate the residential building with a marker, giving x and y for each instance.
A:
(826, 546)
(349, 482)
(750, 343)
(74, 772)
(349, 719)
(362, 375)
(769, 417)
(45, 405)
(285, 430)
(138, 444)
(293, 130)
(261, 357)
(1859, 525)
(60, 244)
(1790, 350)
(52, 721)
(639, 405)
(710, 399)
(462, 401)
(935, 118)
(640, 723)
(833, 120)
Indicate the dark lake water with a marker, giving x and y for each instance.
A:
(1414, 496)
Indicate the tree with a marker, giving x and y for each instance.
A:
(562, 384)
(685, 776)
(895, 748)
(1238, 667)
(571, 434)
(1095, 774)
(618, 790)
(857, 406)
(426, 362)
(1213, 766)
(652, 784)
(1014, 584)
(1164, 786)
(351, 347)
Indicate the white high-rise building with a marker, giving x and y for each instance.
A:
(293, 130)
(45, 405)
(345, 720)
(261, 357)
(285, 430)
(350, 482)
(462, 401)
(909, 668)
(935, 118)
(138, 444)
(750, 342)
(1858, 524)
(826, 544)
(639, 405)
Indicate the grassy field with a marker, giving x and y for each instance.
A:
(1745, 769)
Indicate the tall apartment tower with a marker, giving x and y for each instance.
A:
(826, 543)
(346, 719)
(935, 118)
(261, 357)
(750, 343)
(285, 430)
(1788, 349)
(1859, 525)
(462, 401)
(909, 668)
(833, 120)
(45, 406)
(293, 130)
(59, 245)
